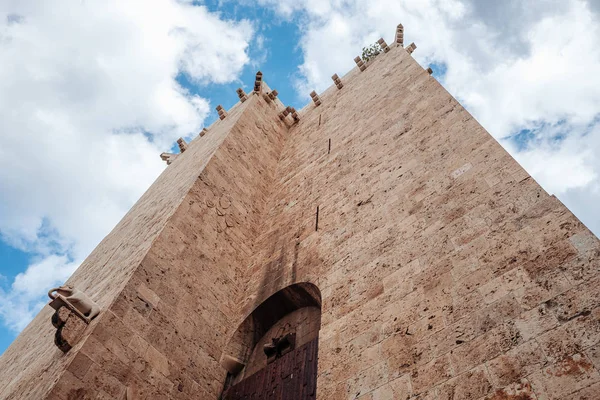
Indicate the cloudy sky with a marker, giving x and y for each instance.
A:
(91, 92)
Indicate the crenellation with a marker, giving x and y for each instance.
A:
(241, 94)
(337, 81)
(284, 113)
(400, 35)
(315, 98)
(203, 132)
(411, 47)
(270, 96)
(182, 145)
(221, 111)
(258, 82)
(294, 114)
(359, 62)
(383, 45)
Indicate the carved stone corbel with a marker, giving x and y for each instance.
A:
(168, 157)
(74, 311)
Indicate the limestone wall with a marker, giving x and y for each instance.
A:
(446, 271)
(32, 365)
(164, 335)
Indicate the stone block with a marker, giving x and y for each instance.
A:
(473, 384)
(431, 374)
(567, 376)
(80, 365)
(366, 381)
(516, 391)
(516, 364)
(70, 328)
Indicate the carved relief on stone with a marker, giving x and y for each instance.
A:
(223, 208)
(224, 203)
(74, 311)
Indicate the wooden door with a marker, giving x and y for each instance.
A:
(291, 377)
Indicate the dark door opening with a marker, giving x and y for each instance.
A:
(293, 376)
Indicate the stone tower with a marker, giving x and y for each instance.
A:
(379, 230)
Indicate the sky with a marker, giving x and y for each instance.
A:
(91, 92)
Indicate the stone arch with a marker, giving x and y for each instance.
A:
(294, 311)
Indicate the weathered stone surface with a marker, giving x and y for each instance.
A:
(572, 374)
(444, 270)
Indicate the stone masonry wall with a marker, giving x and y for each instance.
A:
(446, 271)
(164, 335)
(32, 365)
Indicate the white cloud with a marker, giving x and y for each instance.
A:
(88, 101)
(24, 300)
(515, 65)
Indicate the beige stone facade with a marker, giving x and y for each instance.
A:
(444, 270)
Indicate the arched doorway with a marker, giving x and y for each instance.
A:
(273, 353)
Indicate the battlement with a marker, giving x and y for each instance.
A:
(260, 87)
